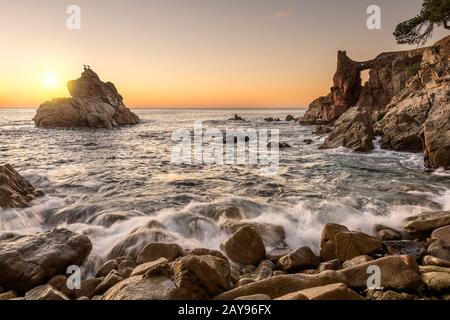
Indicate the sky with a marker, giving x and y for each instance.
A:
(190, 53)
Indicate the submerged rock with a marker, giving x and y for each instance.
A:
(15, 190)
(94, 104)
(29, 261)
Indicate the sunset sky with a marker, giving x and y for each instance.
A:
(190, 53)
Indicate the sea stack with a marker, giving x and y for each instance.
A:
(406, 102)
(94, 104)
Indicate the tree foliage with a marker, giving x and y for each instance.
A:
(434, 13)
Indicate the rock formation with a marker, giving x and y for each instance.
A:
(406, 101)
(29, 261)
(94, 104)
(15, 191)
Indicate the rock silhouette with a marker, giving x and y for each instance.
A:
(94, 104)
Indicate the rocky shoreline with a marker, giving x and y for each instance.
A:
(406, 102)
(414, 263)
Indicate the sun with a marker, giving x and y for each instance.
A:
(50, 80)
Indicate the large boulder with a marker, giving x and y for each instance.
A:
(15, 190)
(208, 273)
(425, 223)
(272, 234)
(339, 242)
(132, 244)
(327, 242)
(352, 130)
(94, 103)
(29, 261)
(245, 246)
(353, 244)
(397, 273)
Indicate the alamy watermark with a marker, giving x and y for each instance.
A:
(231, 147)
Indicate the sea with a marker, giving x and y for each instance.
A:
(108, 183)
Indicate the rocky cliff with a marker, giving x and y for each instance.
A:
(94, 103)
(406, 101)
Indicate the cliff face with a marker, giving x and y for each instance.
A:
(406, 101)
(93, 104)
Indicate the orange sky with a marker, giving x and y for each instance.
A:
(190, 53)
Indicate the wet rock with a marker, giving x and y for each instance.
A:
(356, 261)
(281, 145)
(352, 130)
(329, 265)
(152, 288)
(336, 291)
(206, 252)
(154, 251)
(353, 244)
(106, 268)
(320, 130)
(255, 297)
(389, 235)
(237, 118)
(397, 273)
(406, 247)
(440, 249)
(15, 190)
(373, 294)
(137, 240)
(278, 286)
(59, 282)
(143, 268)
(275, 254)
(125, 268)
(328, 243)
(264, 270)
(8, 295)
(243, 282)
(438, 281)
(87, 288)
(208, 273)
(271, 234)
(423, 224)
(108, 282)
(308, 141)
(301, 259)
(29, 261)
(245, 246)
(93, 104)
(290, 118)
(45, 292)
(441, 234)
(433, 261)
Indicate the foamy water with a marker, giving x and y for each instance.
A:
(89, 175)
